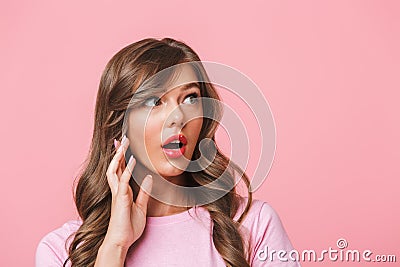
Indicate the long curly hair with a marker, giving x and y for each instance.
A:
(123, 75)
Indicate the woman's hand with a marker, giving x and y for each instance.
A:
(128, 219)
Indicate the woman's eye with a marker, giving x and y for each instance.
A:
(152, 101)
(191, 99)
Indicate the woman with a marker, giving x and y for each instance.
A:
(124, 224)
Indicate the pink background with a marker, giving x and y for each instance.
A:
(329, 69)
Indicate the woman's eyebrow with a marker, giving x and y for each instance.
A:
(159, 91)
(190, 85)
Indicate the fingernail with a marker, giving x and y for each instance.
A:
(147, 182)
(123, 139)
(130, 160)
(115, 143)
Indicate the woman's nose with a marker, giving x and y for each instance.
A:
(175, 116)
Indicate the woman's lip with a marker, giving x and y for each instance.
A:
(174, 153)
(179, 137)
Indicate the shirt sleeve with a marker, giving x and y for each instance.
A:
(47, 255)
(272, 246)
(52, 249)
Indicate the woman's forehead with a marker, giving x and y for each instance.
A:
(179, 76)
(183, 76)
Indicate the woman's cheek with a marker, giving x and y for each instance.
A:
(137, 135)
(152, 135)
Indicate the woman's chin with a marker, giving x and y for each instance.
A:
(170, 172)
(169, 169)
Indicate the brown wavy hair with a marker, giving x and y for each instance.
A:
(123, 75)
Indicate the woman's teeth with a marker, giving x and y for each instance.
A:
(173, 145)
(176, 147)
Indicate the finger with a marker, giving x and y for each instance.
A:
(117, 144)
(112, 177)
(143, 197)
(124, 146)
(114, 164)
(123, 185)
(126, 175)
(112, 182)
(122, 161)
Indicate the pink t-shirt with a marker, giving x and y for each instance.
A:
(184, 239)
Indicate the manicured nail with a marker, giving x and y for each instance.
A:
(146, 183)
(130, 160)
(123, 139)
(115, 143)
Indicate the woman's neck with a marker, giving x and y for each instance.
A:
(162, 189)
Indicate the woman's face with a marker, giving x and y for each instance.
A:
(164, 129)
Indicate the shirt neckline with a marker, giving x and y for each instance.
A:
(173, 218)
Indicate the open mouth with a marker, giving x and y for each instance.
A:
(175, 146)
